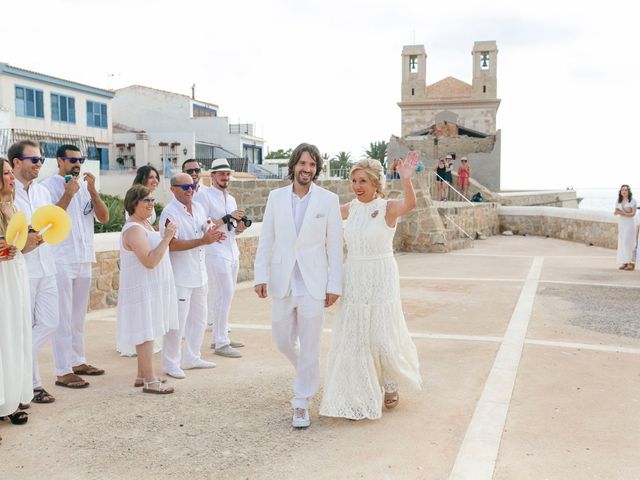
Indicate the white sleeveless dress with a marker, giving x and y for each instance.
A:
(16, 384)
(147, 299)
(371, 346)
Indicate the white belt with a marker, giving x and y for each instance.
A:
(370, 257)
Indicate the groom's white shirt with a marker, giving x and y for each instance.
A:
(316, 249)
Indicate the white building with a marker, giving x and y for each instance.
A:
(165, 128)
(53, 112)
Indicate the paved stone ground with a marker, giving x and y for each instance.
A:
(530, 357)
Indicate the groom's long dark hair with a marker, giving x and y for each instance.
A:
(297, 153)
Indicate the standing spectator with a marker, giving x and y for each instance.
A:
(74, 257)
(149, 177)
(626, 211)
(441, 179)
(26, 160)
(186, 251)
(223, 258)
(16, 389)
(147, 301)
(464, 175)
(192, 167)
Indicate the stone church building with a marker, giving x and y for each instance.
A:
(450, 115)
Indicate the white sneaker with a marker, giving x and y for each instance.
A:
(177, 373)
(199, 363)
(228, 351)
(236, 343)
(300, 418)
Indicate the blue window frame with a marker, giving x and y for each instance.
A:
(96, 114)
(63, 108)
(29, 102)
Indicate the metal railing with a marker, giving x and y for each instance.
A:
(442, 192)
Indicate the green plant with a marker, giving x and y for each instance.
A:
(116, 215)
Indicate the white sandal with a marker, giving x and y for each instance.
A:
(161, 389)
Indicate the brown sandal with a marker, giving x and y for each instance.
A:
(630, 267)
(391, 399)
(85, 369)
(40, 395)
(71, 380)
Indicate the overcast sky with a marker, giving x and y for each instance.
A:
(328, 72)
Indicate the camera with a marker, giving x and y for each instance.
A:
(232, 223)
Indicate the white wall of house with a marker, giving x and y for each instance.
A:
(47, 124)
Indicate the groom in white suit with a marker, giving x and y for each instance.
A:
(299, 258)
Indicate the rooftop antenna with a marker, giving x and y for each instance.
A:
(193, 91)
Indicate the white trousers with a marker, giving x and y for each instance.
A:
(45, 317)
(74, 284)
(192, 317)
(297, 328)
(223, 276)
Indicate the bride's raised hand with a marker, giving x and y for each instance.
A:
(407, 167)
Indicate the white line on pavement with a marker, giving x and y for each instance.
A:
(585, 346)
(479, 450)
(517, 280)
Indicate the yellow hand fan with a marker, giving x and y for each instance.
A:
(52, 222)
(16, 234)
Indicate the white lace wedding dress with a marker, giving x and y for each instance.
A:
(371, 348)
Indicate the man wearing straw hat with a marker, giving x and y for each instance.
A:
(27, 160)
(73, 257)
(222, 258)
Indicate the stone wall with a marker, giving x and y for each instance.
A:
(585, 226)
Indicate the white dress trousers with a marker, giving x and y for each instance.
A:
(45, 317)
(296, 330)
(223, 277)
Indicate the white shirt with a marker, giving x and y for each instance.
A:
(299, 208)
(189, 268)
(40, 261)
(78, 246)
(216, 205)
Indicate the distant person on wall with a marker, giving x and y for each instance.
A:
(626, 211)
(441, 179)
(186, 251)
(464, 175)
(393, 172)
(223, 258)
(74, 256)
(193, 168)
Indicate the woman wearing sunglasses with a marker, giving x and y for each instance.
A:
(147, 300)
(16, 388)
(148, 177)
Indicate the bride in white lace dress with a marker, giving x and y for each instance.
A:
(371, 348)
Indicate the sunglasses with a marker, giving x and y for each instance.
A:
(74, 159)
(149, 200)
(34, 160)
(187, 186)
(191, 171)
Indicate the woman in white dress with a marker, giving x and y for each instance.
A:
(150, 178)
(147, 300)
(626, 211)
(16, 387)
(371, 348)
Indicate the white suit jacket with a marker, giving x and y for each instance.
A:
(317, 248)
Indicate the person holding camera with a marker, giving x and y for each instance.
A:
(222, 258)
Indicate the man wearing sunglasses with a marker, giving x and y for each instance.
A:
(223, 259)
(26, 159)
(192, 167)
(186, 251)
(73, 257)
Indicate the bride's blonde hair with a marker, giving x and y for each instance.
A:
(372, 169)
